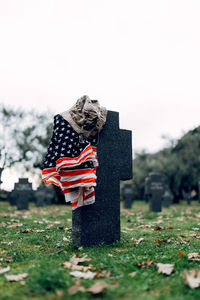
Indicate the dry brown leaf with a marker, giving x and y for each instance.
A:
(18, 277)
(116, 283)
(103, 274)
(165, 268)
(97, 288)
(7, 259)
(181, 253)
(162, 241)
(27, 230)
(132, 274)
(137, 241)
(85, 275)
(158, 228)
(148, 263)
(68, 229)
(49, 226)
(76, 259)
(169, 227)
(192, 278)
(15, 225)
(194, 256)
(77, 287)
(158, 222)
(197, 236)
(4, 270)
(68, 265)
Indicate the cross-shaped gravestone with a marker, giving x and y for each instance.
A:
(127, 195)
(24, 191)
(44, 195)
(167, 198)
(40, 196)
(100, 222)
(156, 186)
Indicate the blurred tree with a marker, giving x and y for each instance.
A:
(179, 163)
(24, 137)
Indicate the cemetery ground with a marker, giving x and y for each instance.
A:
(36, 247)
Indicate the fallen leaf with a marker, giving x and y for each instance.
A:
(148, 263)
(132, 274)
(85, 275)
(18, 277)
(4, 270)
(68, 229)
(77, 287)
(15, 225)
(165, 268)
(116, 283)
(158, 228)
(7, 259)
(27, 230)
(194, 256)
(76, 259)
(97, 288)
(69, 265)
(197, 236)
(103, 274)
(181, 253)
(162, 241)
(137, 241)
(169, 227)
(159, 222)
(192, 278)
(49, 226)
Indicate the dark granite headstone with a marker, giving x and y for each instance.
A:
(147, 189)
(156, 191)
(167, 198)
(40, 196)
(127, 195)
(100, 222)
(23, 190)
(12, 197)
(44, 195)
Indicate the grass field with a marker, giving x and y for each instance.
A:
(38, 241)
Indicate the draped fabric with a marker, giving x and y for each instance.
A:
(71, 163)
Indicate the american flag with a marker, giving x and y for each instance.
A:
(71, 163)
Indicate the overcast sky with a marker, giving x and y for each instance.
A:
(141, 58)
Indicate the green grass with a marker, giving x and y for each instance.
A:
(40, 254)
